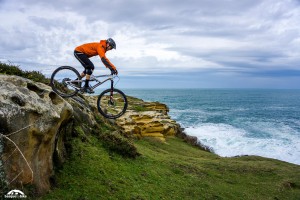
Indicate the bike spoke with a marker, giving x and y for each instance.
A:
(112, 106)
(65, 81)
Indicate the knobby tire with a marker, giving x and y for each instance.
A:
(59, 87)
(112, 111)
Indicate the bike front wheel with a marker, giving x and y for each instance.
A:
(66, 81)
(112, 104)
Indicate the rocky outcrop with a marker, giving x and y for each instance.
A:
(148, 119)
(30, 117)
(144, 119)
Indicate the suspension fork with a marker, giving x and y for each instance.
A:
(111, 89)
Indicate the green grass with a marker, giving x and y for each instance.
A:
(171, 170)
(140, 108)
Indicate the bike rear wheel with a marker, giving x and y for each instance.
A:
(112, 104)
(66, 81)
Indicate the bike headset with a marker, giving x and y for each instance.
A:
(112, 43)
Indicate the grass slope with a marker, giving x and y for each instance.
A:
(171, 170)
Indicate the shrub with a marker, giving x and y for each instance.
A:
(10, 69)
(119, 144)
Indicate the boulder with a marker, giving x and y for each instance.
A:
(30, 116)
(147, 119)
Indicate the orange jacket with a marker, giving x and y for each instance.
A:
(96, 48)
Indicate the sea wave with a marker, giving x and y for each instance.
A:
(227, 141)
(237, 121)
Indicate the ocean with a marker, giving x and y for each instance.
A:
(236, 122)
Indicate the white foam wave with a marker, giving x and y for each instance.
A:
(227, 140)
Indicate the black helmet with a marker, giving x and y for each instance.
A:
(111, 42)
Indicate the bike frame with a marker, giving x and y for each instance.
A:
(110, 77)
(94, 78)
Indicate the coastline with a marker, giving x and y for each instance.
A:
(94, 158)
(234, 122)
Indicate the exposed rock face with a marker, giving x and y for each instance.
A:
(36, 113)
(148, 119)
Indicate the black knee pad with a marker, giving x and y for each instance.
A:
(89, 71)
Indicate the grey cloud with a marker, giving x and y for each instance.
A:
(264, 32)
(275, 73)
(149, 13)
(16, 40)
(51, 23)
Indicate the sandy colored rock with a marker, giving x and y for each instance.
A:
(34, 113)
(149, 120)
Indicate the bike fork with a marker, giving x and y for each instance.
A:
(111, 90)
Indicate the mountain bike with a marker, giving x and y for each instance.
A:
(67, 82)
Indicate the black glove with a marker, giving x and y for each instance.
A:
(114, 71)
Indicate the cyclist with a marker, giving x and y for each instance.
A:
(85, 51)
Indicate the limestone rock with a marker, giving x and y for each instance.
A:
(147, 119)
(30, 115)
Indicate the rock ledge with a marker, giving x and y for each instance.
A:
(147, 119)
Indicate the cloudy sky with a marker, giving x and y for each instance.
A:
(161, 43)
